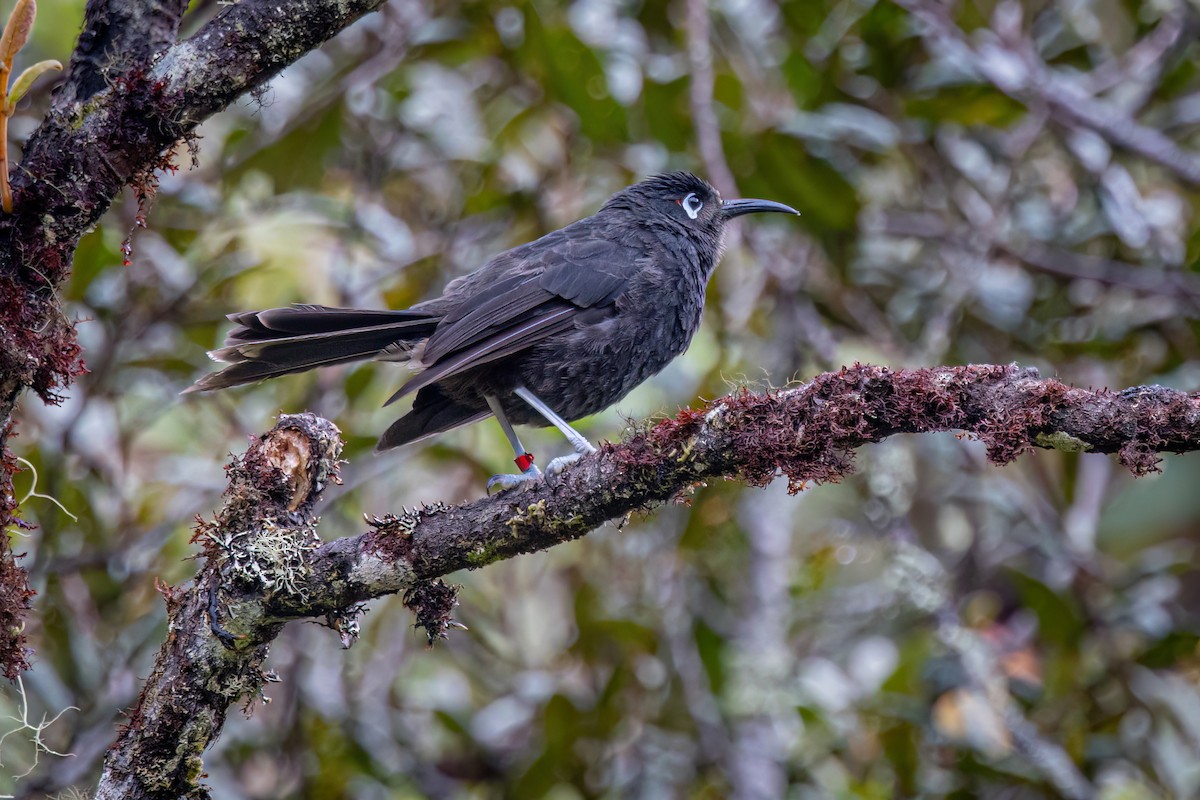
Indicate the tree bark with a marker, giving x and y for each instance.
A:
(264, 565)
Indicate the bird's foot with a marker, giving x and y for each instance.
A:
(513, 480)
(555, 467)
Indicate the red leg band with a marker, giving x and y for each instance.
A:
(524, 461)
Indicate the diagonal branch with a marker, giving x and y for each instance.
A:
(130, 95)
(264, 565)
(84, 153)
(1175, 283)
(1016, 70)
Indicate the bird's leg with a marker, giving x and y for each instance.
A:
(582, 446)
(524, 459)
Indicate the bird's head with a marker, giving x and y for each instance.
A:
(690, 202)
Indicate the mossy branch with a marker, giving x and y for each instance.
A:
(263, 566)
(131, 93)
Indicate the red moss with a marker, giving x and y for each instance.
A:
(172, 596)
(684, 425)
(1008, 429)
(145, 188)
(1139, 458)
(770, 440)
(15, 591)
(37, 343)
(432, 602)
(1161, 421)
(390, 537)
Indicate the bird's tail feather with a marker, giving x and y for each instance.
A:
(280, 341)
(432, 413)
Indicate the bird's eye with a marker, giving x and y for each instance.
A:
(692, 205)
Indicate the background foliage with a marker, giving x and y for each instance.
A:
(934, 626)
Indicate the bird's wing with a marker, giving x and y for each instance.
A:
(504, 304)
(551, 283)
(592, 272)
(508, 342)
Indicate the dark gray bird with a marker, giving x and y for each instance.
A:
(551, 331)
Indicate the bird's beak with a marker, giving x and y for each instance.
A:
(735, 208)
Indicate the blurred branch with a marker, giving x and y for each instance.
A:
(700, 95)
(754, 768)
(758, 763)
(264, 565)
(1054, 261)
(130, 96)
(1143, 63)
(925, 585)
(679, 629)
(1009, 62)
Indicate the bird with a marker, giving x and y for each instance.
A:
(543, 334)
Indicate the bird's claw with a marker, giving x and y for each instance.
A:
(556, 466)
(513, 480)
